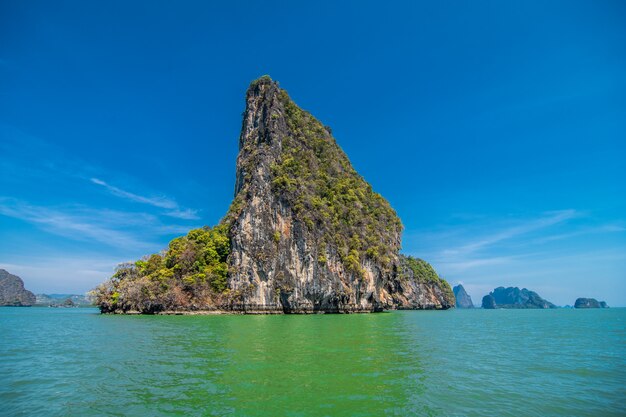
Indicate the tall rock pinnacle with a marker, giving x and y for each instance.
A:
(305, 233)
(309, 234)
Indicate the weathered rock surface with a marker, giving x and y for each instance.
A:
(589, 303)
(513, 297)
(463, 300)
(285, 255)
(12, 291)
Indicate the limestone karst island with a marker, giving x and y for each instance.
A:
(305, 233)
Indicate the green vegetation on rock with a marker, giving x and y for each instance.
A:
(316, 178)
(192, 273)
(425, 273)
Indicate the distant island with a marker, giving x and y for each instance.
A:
(12, 291)
(513, 297)
(63, 300)
(13, 294)
(463, 300)
(305, 233)
(589, 303)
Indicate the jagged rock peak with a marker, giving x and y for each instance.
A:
(261, 124)
(335, 239)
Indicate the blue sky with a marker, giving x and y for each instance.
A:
(495, 129)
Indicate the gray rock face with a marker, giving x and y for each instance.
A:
(589, 303)
(278, 262)
(12, 292)
(463, 300)
(513, 297)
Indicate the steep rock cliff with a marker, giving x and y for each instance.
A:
(308, 233)
(304, 233)
(12, 291)
(463, 300)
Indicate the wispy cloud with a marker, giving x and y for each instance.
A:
(160, 201)
(186, 214)
(113, 228)
(608, 228)
(27, 161)
(90, 227)
(547, 220)
(459, 265)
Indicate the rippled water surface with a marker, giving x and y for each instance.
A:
(75, 362)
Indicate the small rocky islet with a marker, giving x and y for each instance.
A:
(589, 303)
(305, 233)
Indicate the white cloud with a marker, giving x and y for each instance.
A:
(161, 202)
(608, 228)
(456, 266)
(550, 219)
(113, 228)
(187, 214)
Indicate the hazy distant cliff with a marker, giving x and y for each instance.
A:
(589, 303)
(513, 297)
(12, 291)
(463, 300)
(305, 233)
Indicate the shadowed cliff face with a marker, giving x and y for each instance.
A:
(307, 232)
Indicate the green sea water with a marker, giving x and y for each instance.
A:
(75, 362)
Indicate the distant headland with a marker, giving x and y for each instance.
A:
(12, 291)
(463, 300)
